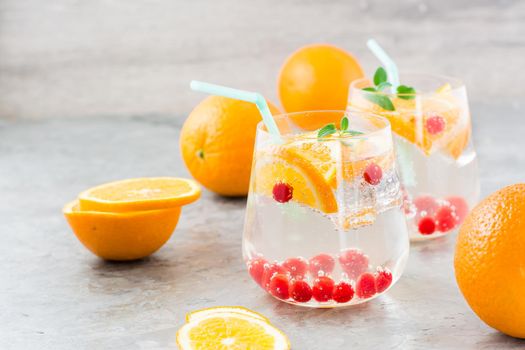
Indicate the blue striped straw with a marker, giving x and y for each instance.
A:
(388, 63)
(247, 96)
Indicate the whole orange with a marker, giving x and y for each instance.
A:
(317, 77)
(217, 143)
(490, 260)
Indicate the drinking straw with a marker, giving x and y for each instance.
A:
(247, 96)
(404, 155)
(388, 63)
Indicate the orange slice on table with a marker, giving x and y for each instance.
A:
(230, 331)
(140, 194)
(222, 310)
(299, 169)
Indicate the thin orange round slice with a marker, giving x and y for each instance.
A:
(140, 194)
(296, 167)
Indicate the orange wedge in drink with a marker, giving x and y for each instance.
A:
(297, 168)
(140, 194)
(408, 124)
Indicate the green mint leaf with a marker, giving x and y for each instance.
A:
(381, 100)
(352, 132)
(383, 86)
(371, 89)
(344, 123)
(406, 92)
(326, 130)
(380, 76)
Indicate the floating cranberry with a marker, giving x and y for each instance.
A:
(435, 125)
(323, 289)
(383, 279)
(282, 192)
(460, 207)
(446, 219)
(343, 292)
(256, 269)
(365, 286)
(279, 286)
(297, 267)
(426, 226)
(373, 174)
(269, 271)
(354, 262)
(300, 291)
(321, 263)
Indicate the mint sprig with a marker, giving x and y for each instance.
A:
(381, 84)
(380, 76)
(330, 129)
(406, 92)
(326, 130)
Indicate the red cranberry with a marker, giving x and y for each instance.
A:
(446, 219)
(426, 205)
(256, 269)
(297, 267)
(426, 226)
(373, 174)
(301, 291)
(282, 192)
(383, 279)
(279, 286)
(365, 286)
(269, 271)
(460, 207)
(354, 262)
(321, 263)
(323, 289)
(343, 292)
(435, 125)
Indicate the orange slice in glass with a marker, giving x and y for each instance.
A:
(304, 169)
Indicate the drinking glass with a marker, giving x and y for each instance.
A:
(435, 155)
(324, 223)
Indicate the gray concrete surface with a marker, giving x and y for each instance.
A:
(56, 295)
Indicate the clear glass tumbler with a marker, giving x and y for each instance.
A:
(435, 155)
(324, 222)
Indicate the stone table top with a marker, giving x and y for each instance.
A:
(57, 295)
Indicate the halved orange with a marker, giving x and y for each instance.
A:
(140, 194)
(290, 165)
(122, 236)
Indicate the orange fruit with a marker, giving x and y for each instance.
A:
(140, 194)
(122, 236)
(490, 260)
(217, 143)
(317, 77)
(296, 168)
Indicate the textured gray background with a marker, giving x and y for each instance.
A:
(92, 91)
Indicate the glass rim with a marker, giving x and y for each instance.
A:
(261, 127)
(456, 84)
